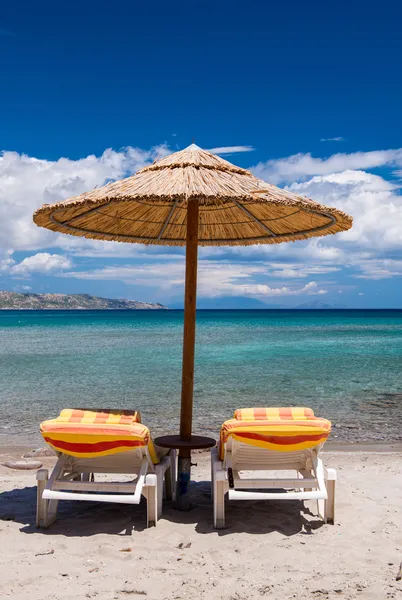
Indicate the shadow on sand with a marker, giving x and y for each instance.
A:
(82, 519)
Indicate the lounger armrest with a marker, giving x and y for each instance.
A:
(330, 474)
(42, 475)
(217, 466)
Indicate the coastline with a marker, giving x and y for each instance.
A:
(78, 308)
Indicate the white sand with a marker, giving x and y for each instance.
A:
(272, 550)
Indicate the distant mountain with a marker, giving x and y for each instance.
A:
(316, 304)
(229, 302)
(17, 301)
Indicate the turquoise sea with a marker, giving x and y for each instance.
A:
(346, 365)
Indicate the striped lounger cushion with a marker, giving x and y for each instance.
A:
(91, 433)
(280, 429)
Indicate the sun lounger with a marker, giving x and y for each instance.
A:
(272, 439)
(89, 442)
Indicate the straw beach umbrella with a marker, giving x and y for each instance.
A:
(191, 198)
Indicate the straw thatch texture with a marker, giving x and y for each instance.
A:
(150, 207)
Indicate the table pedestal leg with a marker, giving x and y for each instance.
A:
(183, 480)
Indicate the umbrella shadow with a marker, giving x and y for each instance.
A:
(85, 519)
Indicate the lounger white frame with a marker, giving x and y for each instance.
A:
(311, 481)
(71, 480)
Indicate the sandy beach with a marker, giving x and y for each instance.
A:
(277, 550)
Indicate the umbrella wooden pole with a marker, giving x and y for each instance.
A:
(187, 386)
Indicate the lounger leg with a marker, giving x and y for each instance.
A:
(46, 510)
(215, 464)
(321, 509)
(305, 473)
(170, 477)
(219, 504)
(219, 488)
(329, 507)
(150, 492)
(212, 476)
(42, 477)
(159, 491)
(52, 511)
(319, 473)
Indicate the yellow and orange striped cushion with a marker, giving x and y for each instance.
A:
(91, 433)
(273, 414)
(278, 429)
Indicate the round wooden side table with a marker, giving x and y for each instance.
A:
(195, 442)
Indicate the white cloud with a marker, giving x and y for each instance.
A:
(365, 250)
(43, 262)
(294, 270)
(26, 183)
(214, 278)
(231, 149)
(301, 166)
(6, 260)
(22, 288)
(374, 268)
(98, 248)
(372, 201)
(376, 206)
(333, 139)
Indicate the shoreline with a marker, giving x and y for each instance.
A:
(366, 447)
(18, 450)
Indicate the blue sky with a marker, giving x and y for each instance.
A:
(307, 95)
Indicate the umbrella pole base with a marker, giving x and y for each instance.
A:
(183, 480)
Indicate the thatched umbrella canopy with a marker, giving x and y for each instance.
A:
(191, 198)
(235, 208)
